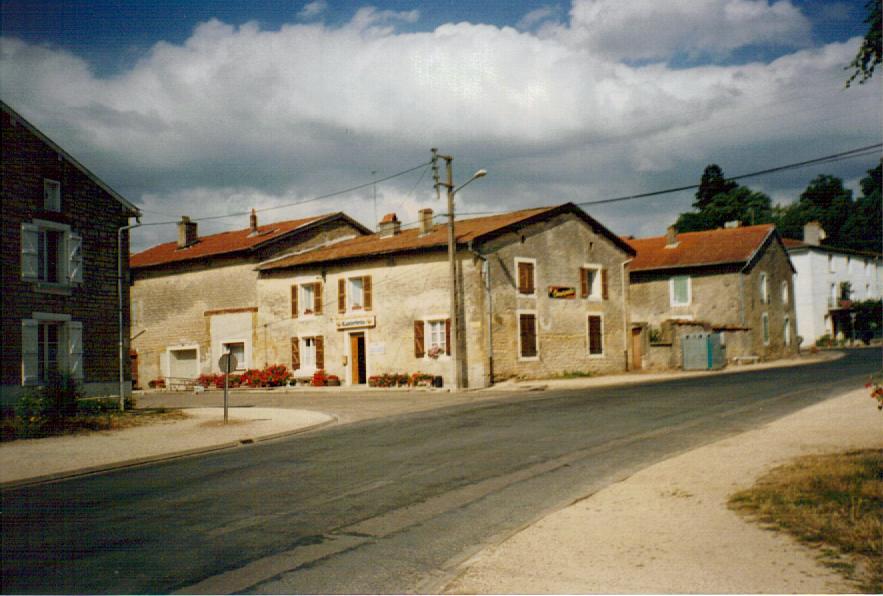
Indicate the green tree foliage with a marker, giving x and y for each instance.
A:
(863, 229)
(870, 54)
(719, 200)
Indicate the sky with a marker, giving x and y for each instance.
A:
(209, 109)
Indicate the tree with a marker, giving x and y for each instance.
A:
(862, 229)
(740, 203)
(712, 183)
(869, 53)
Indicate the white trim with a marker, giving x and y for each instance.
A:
(764, 288)
(427, 336)
(594, 296)
(787, 331)
(671, 290)
(535, 277)
(786, 292)
(246, 350)
(536, 324)
(765, 317)
(603, 353)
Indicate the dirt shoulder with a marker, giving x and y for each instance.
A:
(667, 529)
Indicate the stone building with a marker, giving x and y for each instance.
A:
(829, 280)
(540, 292)
(195, 298)
(736, 280)
(60, 256)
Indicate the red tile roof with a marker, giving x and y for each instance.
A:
(219, 244)
(711, 247)
(410, 240)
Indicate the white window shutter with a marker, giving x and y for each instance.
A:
(30, 242)
(29, 364)
(75, 258)
(75, 349)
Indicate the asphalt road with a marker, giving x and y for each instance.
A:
(380, 506)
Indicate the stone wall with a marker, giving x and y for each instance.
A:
(775, 264)
(90, 212)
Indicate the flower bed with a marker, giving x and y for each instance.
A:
(274, 375)
(389, 380)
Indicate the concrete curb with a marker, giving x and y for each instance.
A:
(139, 461)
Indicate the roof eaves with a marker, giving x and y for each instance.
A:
(34, 130)
(689, 266)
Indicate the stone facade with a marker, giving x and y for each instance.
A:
(193, 307)
(411, 289)
(726, 298)
(78, 294)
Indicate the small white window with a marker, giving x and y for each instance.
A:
(308, 298)
(237, 348)
(436, 335)
(765, 324)
(680, 290)
(787, 331)
(51, 195)
(785, 292)
(308, 353)
(356, 293)
(591, 282)
(764, 289)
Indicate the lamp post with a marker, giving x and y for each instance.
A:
(452, 250)
(120, 303)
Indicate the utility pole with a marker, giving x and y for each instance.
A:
(452, 249)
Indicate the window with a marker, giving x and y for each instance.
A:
(764, 289)
(527, 335)
(354, 293)
(787, 331)
(237, 348)
(765, 324)
(845, 290)
(308, 353)
(596, 336)
(51, 343)
(593, 282)
(680, 290)
(50, 253)
(785, 293)
(432, 337)
(51, 195)
(831, 263)
(526, 280)
(832, 295)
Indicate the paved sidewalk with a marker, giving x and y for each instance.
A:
(52, 458)
(667, 528)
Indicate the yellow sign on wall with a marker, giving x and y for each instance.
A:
(562, 292)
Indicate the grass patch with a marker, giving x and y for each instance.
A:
(833, 502)
(88, 422)
(575, 374)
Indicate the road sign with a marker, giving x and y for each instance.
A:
(227, 363)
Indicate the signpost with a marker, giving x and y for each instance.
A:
(227, 364)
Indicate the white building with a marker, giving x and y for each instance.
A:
(828, 281)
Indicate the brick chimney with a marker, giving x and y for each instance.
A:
(813, 234)
(671, 237)
(424, 216)
(389, 225)
(253, 224)
(187, 235)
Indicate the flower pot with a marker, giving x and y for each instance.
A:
(333, 382)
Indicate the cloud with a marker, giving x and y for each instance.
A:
(239, 117)
(545, 15)
(312, 10)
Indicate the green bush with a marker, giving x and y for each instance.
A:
(43, 407)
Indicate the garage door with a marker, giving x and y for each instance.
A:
(183, 365)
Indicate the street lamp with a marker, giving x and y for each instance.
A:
(452, 249)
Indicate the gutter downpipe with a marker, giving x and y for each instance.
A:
(120, 302)
(626, 311)
(486, 266)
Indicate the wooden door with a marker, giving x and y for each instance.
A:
(637, 348)
(357, 356)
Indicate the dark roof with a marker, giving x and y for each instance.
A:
(67, 156)
(230, 242)
(468, 230)
(696, 249)
(792, 244)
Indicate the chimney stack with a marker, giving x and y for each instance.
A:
(671, 237)
(736, 223)
(424, 216)
(813, 234)
(253, 223)
(389, 225)
(187, 235)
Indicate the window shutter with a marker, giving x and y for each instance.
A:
(320, 352)
(604, 293)
(30, 241)
(528, 335)
(295, 353)
(75, 349)
(341, 295)
(595, 338)
(584, 282)
(419, 350)
(317, 298)
(293, 302)
(530, 280)
(29, 365)
(75, 258)
(448, 350)
(366, 291)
